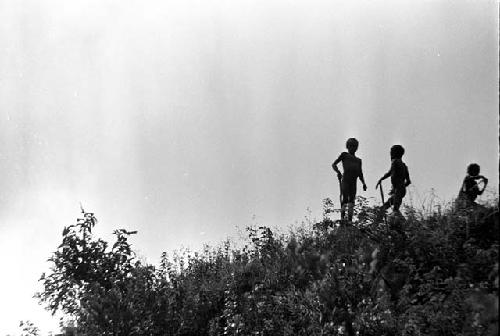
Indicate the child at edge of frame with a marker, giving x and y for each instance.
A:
(352, 170)
(470, 188)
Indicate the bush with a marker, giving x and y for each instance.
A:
(428, 274)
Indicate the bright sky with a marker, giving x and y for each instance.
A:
(185, 119)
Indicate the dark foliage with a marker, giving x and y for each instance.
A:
(424, 275)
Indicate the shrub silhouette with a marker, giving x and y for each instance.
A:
(432, 274)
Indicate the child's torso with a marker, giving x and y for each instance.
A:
(469, 188)
(351, 165)
(398, 173)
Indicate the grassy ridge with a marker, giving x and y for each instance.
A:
(426, 275)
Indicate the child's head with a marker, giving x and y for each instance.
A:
(397, 152)
(473, 169)
(352, 145)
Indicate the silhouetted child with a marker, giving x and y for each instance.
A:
(400, 179)
(470, 187)
(351, 171)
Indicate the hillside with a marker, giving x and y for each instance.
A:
(428, 274)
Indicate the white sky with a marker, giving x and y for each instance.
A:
(184, 119)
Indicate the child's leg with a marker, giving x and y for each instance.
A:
(388, 203)
(343, 205)
(350, 196)
(350, 211)
(398, 198)
(345, 198)
(397, 203)
(350, 206)
(342, 210)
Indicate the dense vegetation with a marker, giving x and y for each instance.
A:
(432, 274)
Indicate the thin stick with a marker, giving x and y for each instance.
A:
(383, 202)
(382, 193)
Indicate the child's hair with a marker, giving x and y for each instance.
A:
(352, 143)
(397, 151)
(473, 169)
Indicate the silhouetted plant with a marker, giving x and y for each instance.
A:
(29, 328)
(435, 273)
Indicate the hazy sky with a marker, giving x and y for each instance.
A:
(185, 119)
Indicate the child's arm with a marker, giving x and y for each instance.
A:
(485, 181)
(386, 175)
(335, 168)
(361, 178)
(481, 177)
(407, 178)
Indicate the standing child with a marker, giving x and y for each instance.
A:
(400, 179)
(352, 170)
(470, 187)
